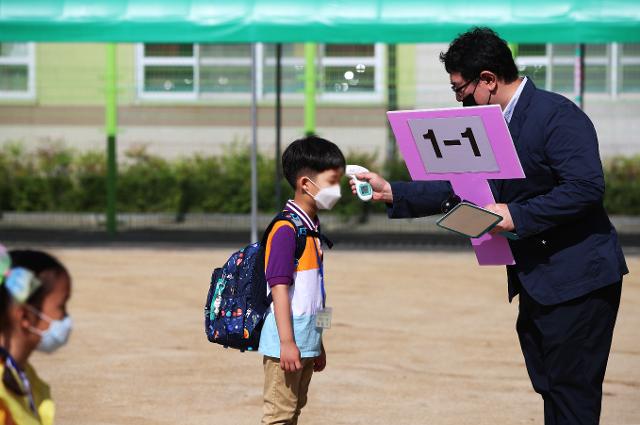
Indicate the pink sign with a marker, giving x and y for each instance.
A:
(466, 146)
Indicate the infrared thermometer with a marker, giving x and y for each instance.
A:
(363, 189)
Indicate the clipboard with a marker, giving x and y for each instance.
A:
(469, 220)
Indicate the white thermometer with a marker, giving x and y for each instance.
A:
(363, 189)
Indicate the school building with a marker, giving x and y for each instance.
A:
(182, 98)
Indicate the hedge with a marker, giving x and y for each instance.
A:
(58, 178)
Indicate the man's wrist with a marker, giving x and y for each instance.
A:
(388, 194)
(516, 211)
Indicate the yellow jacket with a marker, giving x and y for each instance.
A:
(15, 410)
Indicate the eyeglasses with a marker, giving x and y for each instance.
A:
(458, 90)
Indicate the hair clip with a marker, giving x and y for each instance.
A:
(21, 283)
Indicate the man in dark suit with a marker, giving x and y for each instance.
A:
(569, 264)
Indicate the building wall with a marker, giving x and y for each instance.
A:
(68, 107)
(73, 74)
(406, 75)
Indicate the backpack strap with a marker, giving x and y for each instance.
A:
(301, 240)
(299, 228)
(301, 232)
(323, 238)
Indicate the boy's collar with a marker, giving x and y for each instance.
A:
(293, 207)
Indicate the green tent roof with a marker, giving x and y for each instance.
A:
(335, 21)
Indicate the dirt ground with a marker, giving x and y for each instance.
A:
(418, 338)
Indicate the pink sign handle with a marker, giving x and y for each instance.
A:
(490, 250)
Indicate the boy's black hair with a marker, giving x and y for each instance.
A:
(480, 49)
(311, 154)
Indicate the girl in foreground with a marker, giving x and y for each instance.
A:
(34, 290)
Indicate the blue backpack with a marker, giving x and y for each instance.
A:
(237, 301)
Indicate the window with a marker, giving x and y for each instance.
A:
(563, 60)
(292, 68)
(351, 68)
(597, 68)
(630, 68)
(225, 68)
(17, 70)
(222, 71)
(533, 61)
(167, 70)
(552, 66)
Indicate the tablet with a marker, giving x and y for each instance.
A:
(469, 220)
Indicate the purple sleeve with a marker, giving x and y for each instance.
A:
(281, 261)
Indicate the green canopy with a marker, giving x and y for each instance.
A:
(328, 21)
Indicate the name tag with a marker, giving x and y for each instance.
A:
(323, 318)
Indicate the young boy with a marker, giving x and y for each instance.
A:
(290, 340)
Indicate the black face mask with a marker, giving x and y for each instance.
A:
(469, 100)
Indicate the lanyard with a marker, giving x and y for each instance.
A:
(321, 267)
(15, 367)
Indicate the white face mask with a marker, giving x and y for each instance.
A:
(327, 197)
(56, 335)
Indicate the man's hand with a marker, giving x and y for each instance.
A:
(320, 362)
(290, 357)
(381, 187)
(506, 225)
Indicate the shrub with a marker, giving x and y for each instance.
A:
(622, 194)
(56, 178)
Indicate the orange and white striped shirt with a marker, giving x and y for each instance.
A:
(305, 284)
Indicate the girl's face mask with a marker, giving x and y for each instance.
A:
(56, 335)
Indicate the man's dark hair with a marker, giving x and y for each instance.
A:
(310, 155)
(477, 50)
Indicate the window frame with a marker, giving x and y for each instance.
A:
(195, 61)
(237, 96)
(622, 61)
(614, 60)
(30, 61)
(142, 61)
(377, 61)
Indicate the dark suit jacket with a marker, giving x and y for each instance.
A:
(567, 247)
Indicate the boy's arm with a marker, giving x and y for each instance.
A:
(289, 352)
(280, 266)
